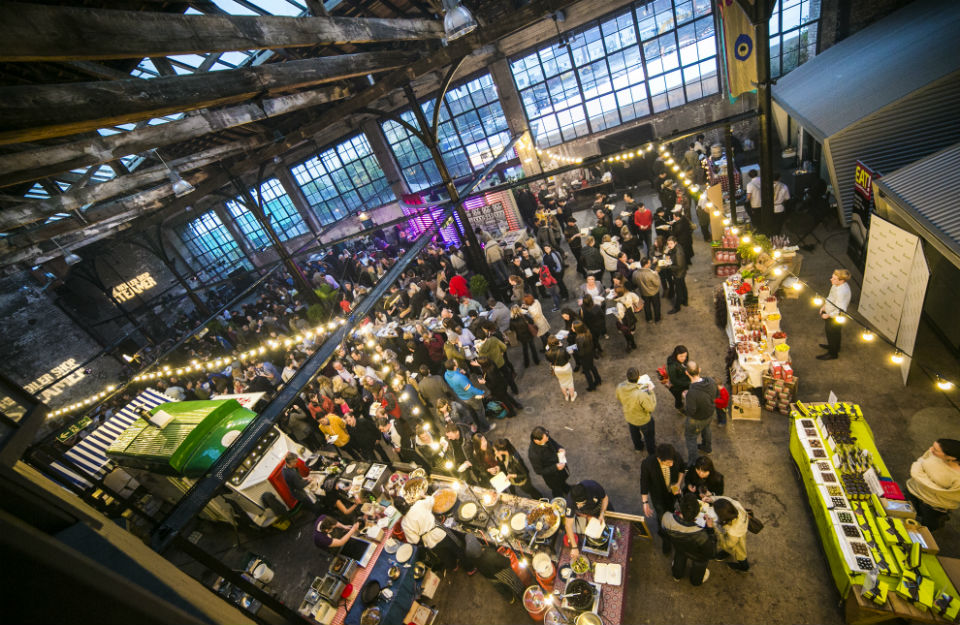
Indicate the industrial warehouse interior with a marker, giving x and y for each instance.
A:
(383, 312)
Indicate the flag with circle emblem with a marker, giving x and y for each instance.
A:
(739, 48)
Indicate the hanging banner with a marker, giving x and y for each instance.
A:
(863, 207)
(890, 262)
(914, 296)
(739, 47)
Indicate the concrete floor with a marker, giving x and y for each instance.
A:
(789, 580)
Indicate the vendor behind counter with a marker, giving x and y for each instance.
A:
(586, 500)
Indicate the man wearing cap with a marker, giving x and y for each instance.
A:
(585, 500)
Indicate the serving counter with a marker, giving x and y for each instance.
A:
(877, 557)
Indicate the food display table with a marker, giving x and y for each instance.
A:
(612, 600)
(392, 610)
(868, 540)
(750, 335)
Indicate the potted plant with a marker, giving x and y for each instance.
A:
(782, 352)
(779, 337)
(478, 286)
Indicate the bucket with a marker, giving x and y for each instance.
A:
(782, 355)
(262, 573)
(773, 323)
(535, 602)
(545, 571)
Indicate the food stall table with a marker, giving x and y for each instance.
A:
(393, 610)
(754, 364)
(612, 599)
(816, 457)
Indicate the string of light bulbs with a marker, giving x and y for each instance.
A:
(212, 364)
(867, 334)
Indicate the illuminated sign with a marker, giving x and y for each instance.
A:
(60, 370)
(133, 287)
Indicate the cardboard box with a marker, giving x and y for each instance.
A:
(898, 509)
(419, 614)
(745, 406)
(430, 583)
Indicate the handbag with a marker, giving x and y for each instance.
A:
(754, 525)
(532, 327)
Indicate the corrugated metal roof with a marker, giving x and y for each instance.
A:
(916, 126)
(879, 65)
(927, 190)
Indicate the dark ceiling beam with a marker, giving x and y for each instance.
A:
(98, 70)
(11, 247)
(75, 199)
(43, 111)
(37, 163)
(58, 33)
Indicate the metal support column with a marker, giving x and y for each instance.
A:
(731, 167)
(255, 206)
(475, 256)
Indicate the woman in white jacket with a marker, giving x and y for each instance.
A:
(610, 251)
(731, 528)
(535, 311)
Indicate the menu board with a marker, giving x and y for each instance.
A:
(491, 216)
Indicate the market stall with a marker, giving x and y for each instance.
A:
(171, 444)
(883, 563)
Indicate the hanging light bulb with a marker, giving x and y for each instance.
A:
(448, 465)
(897, 357)
(757, 249)
(776, 254)
(746, 238)
(797, 285)
(841, 319)
(943, 385)
(734, 231)
(867, 335)
(726, 222)
(457, 20)
(778, 271)
(817, 301)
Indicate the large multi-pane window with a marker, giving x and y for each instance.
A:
(794, 28)
(213, 249)
(247, 223)
(343, 179)
(413, 157)
(277, 205)
(472, 131)
(286, 219)
(651, 57)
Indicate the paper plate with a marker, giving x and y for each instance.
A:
(404, 552)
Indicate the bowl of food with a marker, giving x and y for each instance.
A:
(581, 565)
(443, 500)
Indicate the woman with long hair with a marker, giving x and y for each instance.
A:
(513, 466)
(520, 325)
(731, 528)
(679, 381)
(587, 355)
(596, 321)
(628, 305)
(482, 456)
(559, 359)
(497, 384)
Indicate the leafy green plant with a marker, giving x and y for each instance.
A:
(478, 286)
(316, 313)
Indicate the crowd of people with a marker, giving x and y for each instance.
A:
(425, 377)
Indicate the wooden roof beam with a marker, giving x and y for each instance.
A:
(75, 199)
(35, 32)
(37, 163)
(43, 111)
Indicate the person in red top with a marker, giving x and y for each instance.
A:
(550, 284)
(458, 286)
(643, 220)
(721, 402)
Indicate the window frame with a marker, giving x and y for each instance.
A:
(213, 246)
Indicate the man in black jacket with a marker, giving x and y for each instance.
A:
(590, 258)
(660, 483)
(545, 457)
(699, 409)
(365, 438)
(690, 541)
(575, 240)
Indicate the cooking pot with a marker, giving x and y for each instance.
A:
(370, 592)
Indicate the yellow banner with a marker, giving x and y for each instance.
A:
(739, 48)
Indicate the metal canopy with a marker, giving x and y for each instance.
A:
(925, 192)
(874, 68)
